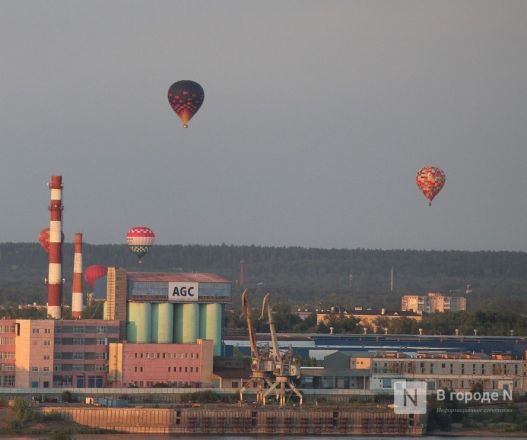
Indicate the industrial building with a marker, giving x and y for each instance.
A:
(165, 308)
(377, 370)
(168, 365)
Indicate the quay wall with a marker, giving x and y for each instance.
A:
(246, 420)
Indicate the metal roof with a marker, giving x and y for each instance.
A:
(195, 277)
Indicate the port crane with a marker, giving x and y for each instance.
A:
(273, 370)
(261, 364)
(286, 366)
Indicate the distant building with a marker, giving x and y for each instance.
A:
(367, 316)
(433, 303)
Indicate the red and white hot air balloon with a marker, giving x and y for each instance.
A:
(140, 239)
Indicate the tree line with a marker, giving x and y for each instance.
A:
(303, 276)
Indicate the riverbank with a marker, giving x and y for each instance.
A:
(246, 420)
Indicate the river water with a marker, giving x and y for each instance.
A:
(228, 437)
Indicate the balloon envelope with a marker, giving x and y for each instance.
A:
(430, 181)
(43, 239)
(185, 98)
(140, 239)
(93, 273)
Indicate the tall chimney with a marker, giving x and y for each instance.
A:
(55, 249)
(76, 293)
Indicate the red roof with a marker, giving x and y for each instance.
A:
(176, 277)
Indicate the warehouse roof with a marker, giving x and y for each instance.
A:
(195, 277)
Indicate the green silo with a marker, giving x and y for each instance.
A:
(190, 323)
(163, 323)
(202, 321)
(154, 320)
(178, 323)
(139, 322)
(214, 325)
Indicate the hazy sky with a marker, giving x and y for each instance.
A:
(317, 116)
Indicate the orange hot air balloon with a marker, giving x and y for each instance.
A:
(43, 239)
(185, 98)
(430, 181)
(93, 273)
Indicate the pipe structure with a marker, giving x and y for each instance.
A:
(55, 249)
(76, 293)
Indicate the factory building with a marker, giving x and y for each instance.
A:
(171, 365)
(377, 371)
(165, 308)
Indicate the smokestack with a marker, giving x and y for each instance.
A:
(242, 273)
(55, 249)
(76, 293)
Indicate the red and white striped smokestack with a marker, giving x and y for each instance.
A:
(76, 293)
(55, 249)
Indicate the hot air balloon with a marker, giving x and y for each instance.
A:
(185, 98)
(140, 239)
(43, 239)
(430, 181)
(93, 273)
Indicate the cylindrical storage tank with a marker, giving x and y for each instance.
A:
(202, 321)
(154, 321)
(188, 325)
(162, 329)
(139, 322)
(178, 323)
(214, 325)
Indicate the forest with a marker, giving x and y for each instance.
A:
(302, 277)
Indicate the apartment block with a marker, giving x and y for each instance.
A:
(433, 303)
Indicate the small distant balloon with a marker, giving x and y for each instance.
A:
(43, 239)
(430, 181)
(140, 239)
(93, 273)
(185, 98)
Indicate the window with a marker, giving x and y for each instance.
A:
(47, 343)
(46, 357)
(169, 369)
(192, 369)
(34, 368)
(46, 369)
(186, 369)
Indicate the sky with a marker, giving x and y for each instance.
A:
(317, 116)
